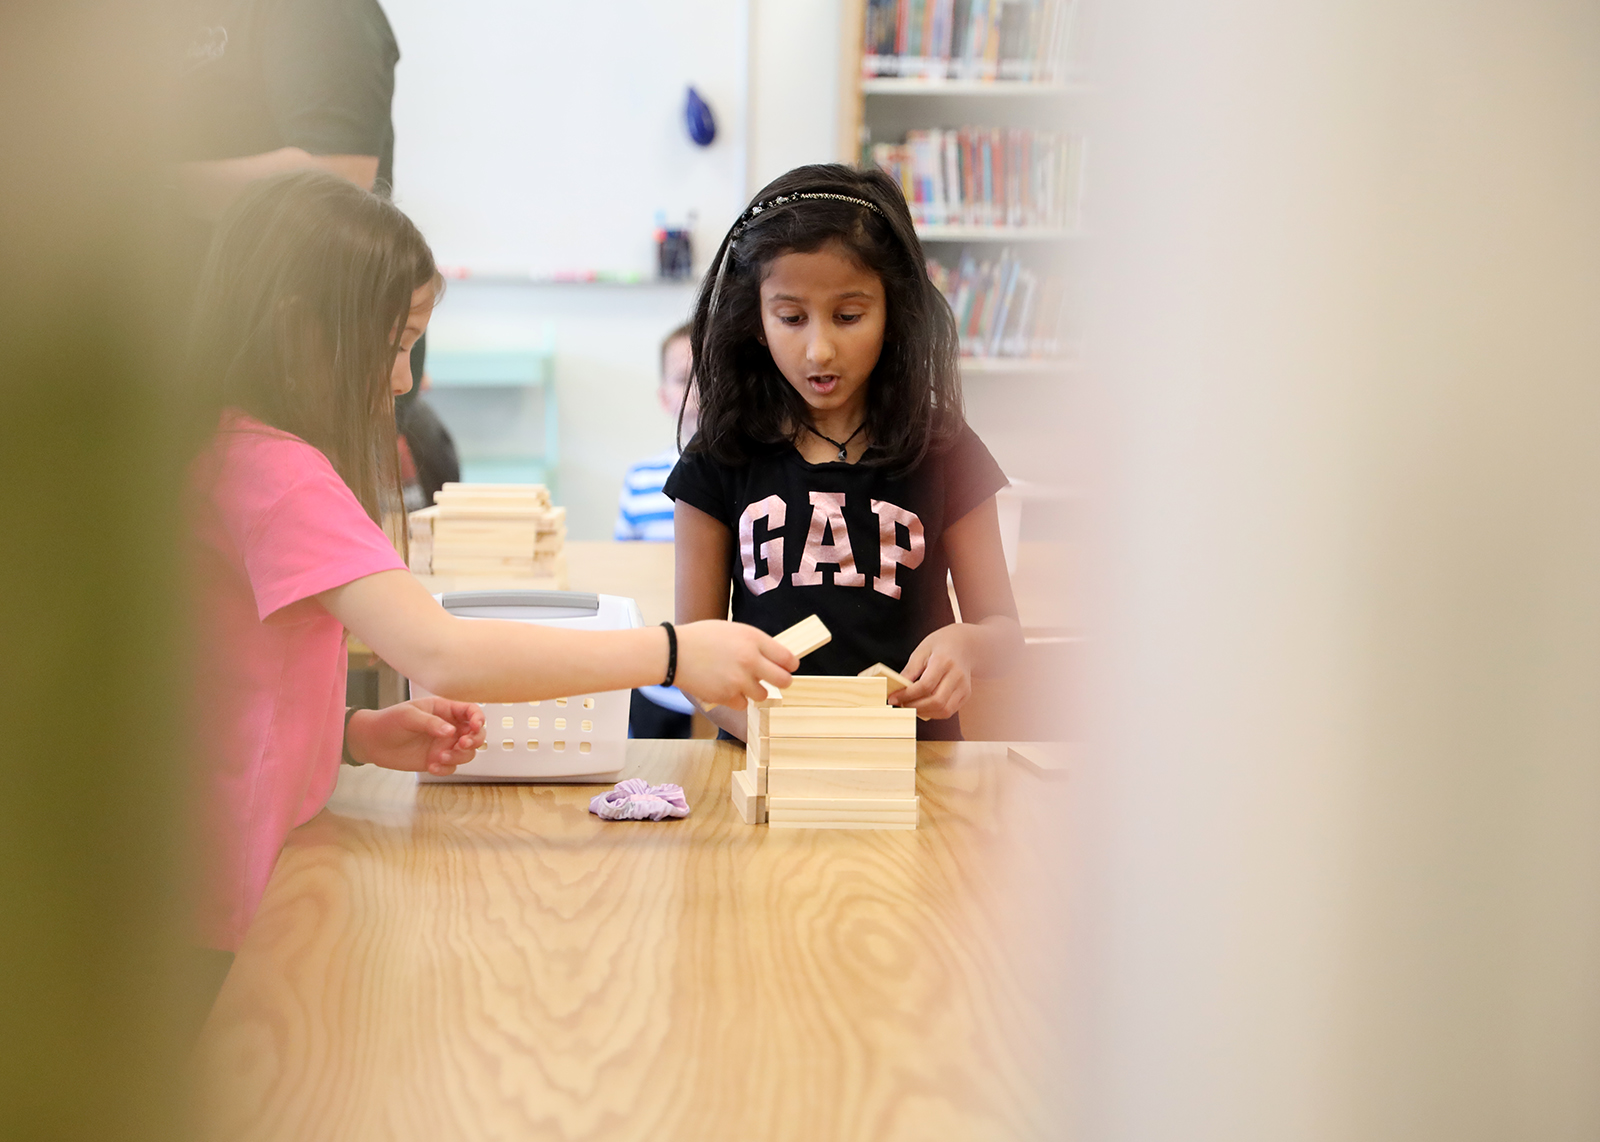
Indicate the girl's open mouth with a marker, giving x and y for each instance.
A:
(822, 386)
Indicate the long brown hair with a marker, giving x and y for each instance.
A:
(914, 398)
(306, 288)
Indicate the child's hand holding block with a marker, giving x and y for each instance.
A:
(897, 681)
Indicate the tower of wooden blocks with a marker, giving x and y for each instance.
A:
(492, 530)
(828, 752)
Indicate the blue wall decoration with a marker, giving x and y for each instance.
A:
(698, 118)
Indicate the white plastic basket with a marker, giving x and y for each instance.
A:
(577, 738)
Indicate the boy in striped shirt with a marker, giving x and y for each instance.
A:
(643, 512)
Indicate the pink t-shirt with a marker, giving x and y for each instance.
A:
(275, 525)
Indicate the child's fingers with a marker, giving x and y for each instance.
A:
(750, 688)
(464, 714)
(450, 754)
(774, 651)
(420, 721)
(923, 685)
(950, 696)
(938, 692)
(769, 671)
(459, 713)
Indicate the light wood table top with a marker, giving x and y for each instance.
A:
(493, 962)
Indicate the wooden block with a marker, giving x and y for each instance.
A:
(897, 681)
(829, 690)
(536, 494)
(889, 674)
(839, 753)
(843, 816)
(823, 818)
(755, 724)
(845, 805)
(758, 773)
(881, 825)
(750, 806)
(841, 722)
(1048, 758)
(805, 636)
(781, 782)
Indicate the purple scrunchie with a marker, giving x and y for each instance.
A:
(637, 800)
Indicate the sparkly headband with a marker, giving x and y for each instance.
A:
(749, 216)
(760, 208)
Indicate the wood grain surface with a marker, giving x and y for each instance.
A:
(493, 962)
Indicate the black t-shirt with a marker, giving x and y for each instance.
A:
(264, 74)
(860, 548)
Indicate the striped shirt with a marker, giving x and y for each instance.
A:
(643, 512)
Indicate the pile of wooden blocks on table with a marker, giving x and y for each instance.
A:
(829, 752)
(492, 531)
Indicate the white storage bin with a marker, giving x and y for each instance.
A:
(578, 738)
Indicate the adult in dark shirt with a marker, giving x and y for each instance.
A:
(280, 85)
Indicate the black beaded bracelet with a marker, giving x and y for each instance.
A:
(672, 655)
(346, 757)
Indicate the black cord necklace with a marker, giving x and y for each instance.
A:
(843, 455)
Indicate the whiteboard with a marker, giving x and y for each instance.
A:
(540, 138)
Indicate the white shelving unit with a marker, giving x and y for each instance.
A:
(980, 88)
(1018, 366)
(995, 234)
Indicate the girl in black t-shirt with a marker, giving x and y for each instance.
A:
(833, 473)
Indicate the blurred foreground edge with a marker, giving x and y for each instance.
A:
(96, 1017)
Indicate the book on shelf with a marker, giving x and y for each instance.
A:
(1006, 309)
(988, 176)
(1026, 41)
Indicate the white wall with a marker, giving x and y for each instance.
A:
(544, 138)
(794, 85)
(607, 338)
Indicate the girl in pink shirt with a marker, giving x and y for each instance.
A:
(313, 294)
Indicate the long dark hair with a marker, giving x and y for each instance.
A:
(305, 290)
(914, 394)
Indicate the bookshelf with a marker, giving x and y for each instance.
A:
(1018, 366)
(962, 233)
(930, 120)
(975, 108)
(975, 88)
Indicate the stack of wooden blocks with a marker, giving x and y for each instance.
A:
(492, 531)
(828, 752)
